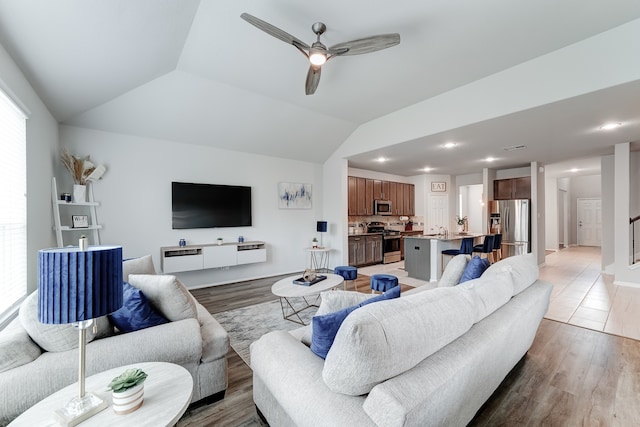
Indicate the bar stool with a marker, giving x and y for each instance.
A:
(348, 273)
(383, 282)
(485, 248)
(466, 247)
(497, 247)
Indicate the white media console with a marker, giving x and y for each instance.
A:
(201, 257)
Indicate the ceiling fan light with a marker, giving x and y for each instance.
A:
(317, 58)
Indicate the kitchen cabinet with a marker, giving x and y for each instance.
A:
(513, 188)
(353, 195)
(364, 191)
(381, 190)
(373, 249)
(360, 196)
(409, 200)
(365, 250)
(357, 249)
(405, 234)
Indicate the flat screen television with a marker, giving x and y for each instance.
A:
(210, 205)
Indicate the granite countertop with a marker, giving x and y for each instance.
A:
(444, 237)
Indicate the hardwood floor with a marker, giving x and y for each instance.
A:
(571, 376)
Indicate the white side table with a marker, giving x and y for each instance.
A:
(319, 259)
(167, 394)
(285, 289)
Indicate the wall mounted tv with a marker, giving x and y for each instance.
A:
(209, 205)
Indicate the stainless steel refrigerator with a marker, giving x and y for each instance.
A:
(511, 218)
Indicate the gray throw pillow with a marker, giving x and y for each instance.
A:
(16, 348)
(453, 272)
(49, 337)
(142, 265)
(167, 294)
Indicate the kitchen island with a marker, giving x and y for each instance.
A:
(423, 253)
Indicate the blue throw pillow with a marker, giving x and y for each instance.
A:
(136, 312)
(325, 327)
(474, 269)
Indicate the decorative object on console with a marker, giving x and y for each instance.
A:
(219, 240)
(77, 286)
(128, 391)
(314, 243)
(294, 196)
(462, 223)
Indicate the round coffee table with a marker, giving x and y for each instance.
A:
(286, 289)
(167, 394)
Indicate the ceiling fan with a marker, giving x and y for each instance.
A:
(318, 53)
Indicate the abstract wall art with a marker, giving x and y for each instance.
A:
(293, 195)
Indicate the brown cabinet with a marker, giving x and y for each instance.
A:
(513, 188)
(373, 250)
(357, 250)
(409, 200)
(364, 191)
(360, 196)
(365, 250)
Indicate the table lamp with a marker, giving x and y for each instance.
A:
(77, 285)
(321, 227)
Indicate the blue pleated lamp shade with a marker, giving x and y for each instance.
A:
(321, 226)
(77, 285)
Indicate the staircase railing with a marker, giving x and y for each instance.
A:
(632, 222)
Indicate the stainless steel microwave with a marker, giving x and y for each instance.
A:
(382, 207)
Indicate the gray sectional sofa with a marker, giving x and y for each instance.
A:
(192, 339)
(429, 358)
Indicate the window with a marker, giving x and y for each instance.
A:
(13, 205)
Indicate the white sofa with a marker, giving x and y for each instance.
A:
(192, 339)
(429, 358)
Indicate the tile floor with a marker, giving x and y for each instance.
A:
(581, 296)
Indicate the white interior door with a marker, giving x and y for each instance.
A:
(439, 211)
(589, 217)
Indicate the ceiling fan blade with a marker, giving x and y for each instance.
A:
(313, 78)
(366, 45)
(274, 31)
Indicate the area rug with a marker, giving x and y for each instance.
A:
(247, 324)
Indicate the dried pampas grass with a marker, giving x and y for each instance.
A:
(80, 168)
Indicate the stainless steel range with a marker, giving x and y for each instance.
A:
(390, 242)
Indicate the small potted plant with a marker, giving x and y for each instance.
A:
(462, 223)
(128, 390)
(219, 241)
(314, 243)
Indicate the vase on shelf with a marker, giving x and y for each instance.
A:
(79, 193)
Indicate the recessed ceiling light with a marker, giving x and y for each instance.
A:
(490, 159)
(381, 159)
(449, 145)
(427, 169)
(574, 170)
(609, 126)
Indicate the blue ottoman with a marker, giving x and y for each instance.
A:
(383, 282)
(348, 273)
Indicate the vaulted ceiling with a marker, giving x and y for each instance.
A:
(194, 72)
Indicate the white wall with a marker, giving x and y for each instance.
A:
(135, 196)
(42, 152)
